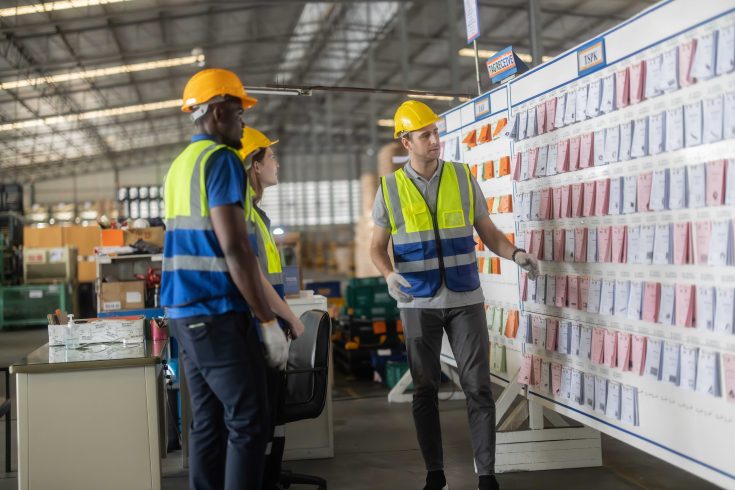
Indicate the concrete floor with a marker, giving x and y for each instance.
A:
(375, 447)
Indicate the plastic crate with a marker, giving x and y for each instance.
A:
(29, 305)
(394, 371)
(329, 289)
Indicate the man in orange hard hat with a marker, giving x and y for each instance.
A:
(430, 209)
(213, 289)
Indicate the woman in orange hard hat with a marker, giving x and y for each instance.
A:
(261, 165)
(213, 289)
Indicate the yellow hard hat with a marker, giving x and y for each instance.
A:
(411, 116)
(253, 140)
(214, 82)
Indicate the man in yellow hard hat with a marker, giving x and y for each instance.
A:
(212, 288)
(429, 210)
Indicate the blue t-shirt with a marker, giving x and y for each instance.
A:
(226, 181)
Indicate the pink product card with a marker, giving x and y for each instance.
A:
(574, 145)
(619, 239)
(537, 249)
(604, 244)
(524, 375)
(559, 241)
(524, 286)
(536, 377)
(624, 351)
(580, 244)
(729, 363)
(577, 201)
(545, 209)
(561, 292)
(541, 118)
(638, 353)
(584, 288)
(515, 167)
(532, 162)
(602, 191)
(573, 291)
(552, 328)
(644, 191)
(651, 297)
(610, 348)
(562, 156)
(556, 379)
(716, 183)
(686, 57)
(685, 294)
(682, 250)
(622, 88)
(566, 202)
(598, 342)
(586, 150)
(556, 202)
(637, 82)
(588, 207)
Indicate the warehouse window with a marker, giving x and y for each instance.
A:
(303, 204)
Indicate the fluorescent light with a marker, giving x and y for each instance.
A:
(431, 97)
(114, 111)
(386, 123)
(487, 53)
(40, 8)
(278, 231)
(104, 72)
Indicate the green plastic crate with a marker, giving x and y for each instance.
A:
(394, 371)
(29, 305)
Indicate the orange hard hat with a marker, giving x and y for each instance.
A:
(214, 82)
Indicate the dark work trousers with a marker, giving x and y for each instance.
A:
(466, 329)
(274, 450)
(225, 370)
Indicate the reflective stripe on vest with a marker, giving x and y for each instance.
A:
(194, 268)
(431, 247)
(269, 257)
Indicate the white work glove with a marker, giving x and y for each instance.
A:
(276, 344)
(395, 281)
(528, 263)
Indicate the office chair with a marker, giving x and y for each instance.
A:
(307, 382)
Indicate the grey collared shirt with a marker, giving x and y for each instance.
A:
(444, 298)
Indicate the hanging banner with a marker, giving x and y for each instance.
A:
(472, 20)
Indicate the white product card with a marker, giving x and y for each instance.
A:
(599, 148)
(635, 300)
(607, 298)
(626, 140)
(607, 103)
(669, 76)
(612, 407)
(612, 144)
(589, 390)
(656, 127)
(581, 103)
(705, 307)
(593, 296)
(633, 245)
(696, 185)
(591, 245)
(647, 244)
(639, 145)
(729, 116)
(615, 203)
(654, 354)
(674, 120)
(724, 310)
(720, 244)
(662, 242)
(600, 394)
(677, 188)
(688, 372)
(570, 114)
(703, 65)
(629, 405)
(708, 373)
(659, 190)
(693, 124)
(585, 342)
(560, 110)
(569, 245)
(712, 119)
(622, 291)
(725, 50)
(666, 305)
(594, 95)
(671, 364)
(653, 76)
(630, 194)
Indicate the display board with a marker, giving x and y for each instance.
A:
(623, 182)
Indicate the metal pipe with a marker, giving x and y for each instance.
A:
(534, 27)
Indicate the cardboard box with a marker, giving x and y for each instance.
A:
(48, 237)
(124, 295)
(87, 269)
(113, 238)
(85, 238)
(152, 235)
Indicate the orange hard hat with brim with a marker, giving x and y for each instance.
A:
(214, 82)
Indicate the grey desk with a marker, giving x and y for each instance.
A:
(91, 418)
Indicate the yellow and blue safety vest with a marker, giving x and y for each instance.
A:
(433, 247)
(265, 247)
(194, 268)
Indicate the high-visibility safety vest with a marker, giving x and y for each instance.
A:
(433, 247)
(265, 248)
(194, 267)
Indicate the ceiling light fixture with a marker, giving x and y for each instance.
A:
(431, 97)
(487, 53)
(83, 116)
(40, 8)
(278, 91)
(386, 123)
(104, 72)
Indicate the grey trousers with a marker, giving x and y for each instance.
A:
(467, 332)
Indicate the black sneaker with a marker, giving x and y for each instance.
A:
(435, 480)
(488, 482)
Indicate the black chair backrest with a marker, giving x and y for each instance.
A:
(308, 368)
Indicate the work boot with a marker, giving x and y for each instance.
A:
(435, 480)
(488, 482)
